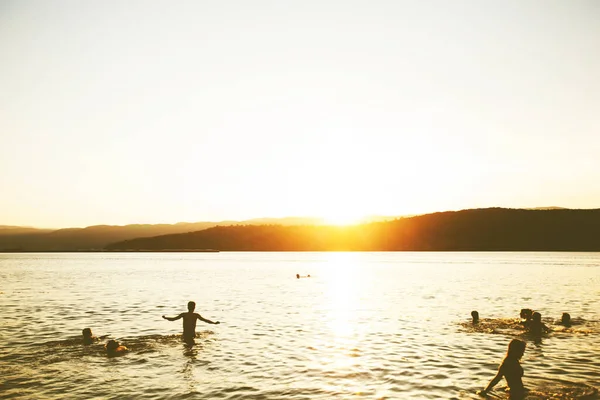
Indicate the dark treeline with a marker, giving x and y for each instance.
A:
(16, 238)
(492, 229)
(90, 238)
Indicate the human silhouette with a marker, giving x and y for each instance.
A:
(511, 370)
(189, 322)
(114, 348)
(565, 319)
(536, 326)
(526, 315)
(475, 316)
(89, 338)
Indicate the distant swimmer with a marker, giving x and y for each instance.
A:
(511, 370)
(536, 326)
(189, 322)
(89, 338)
(475, 316)
(565, 319)
(114, 348)
(526, 315)
(297, 276)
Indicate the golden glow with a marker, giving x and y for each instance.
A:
(340, 348)
(343, 218)
(343, 284)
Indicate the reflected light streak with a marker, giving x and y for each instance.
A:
(344, 285)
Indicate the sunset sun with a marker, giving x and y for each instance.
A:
(343, 218)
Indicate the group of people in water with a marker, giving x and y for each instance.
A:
(114, 348)
(510, 367)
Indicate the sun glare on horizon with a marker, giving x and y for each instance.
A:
(343, 219)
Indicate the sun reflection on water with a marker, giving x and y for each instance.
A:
(343, 292)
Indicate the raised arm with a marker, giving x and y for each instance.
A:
(208, 321)
(173, 318)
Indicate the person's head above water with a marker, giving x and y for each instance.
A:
(114, 348)
(88, 338)
(537, 317)
(565, 319)
(191, 306)
(112, 345)
(526, 313)
(475, 316)
(516, 349)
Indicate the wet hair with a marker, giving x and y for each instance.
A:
(191, 306)
(112, 345)
(516, 348)
(475, 316)
(86, 332)
(566, 318)
(537, 317)
(526, 313)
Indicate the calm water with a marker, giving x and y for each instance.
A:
(364, 326)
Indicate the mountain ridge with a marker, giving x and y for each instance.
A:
(489, 229)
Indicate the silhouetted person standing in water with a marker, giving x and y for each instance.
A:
(475, 316)
(189, 322)
(511, 370)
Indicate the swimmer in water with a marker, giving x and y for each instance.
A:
(475, 316)
(114, 348)
(297, 276)
(565, 319)
(189, 322)
(511, 370)
(526, 315)
(89, 338)
(536, 326)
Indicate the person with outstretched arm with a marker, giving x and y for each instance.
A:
(511, 370)
(189, 322)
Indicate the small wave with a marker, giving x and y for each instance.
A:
(562, 390)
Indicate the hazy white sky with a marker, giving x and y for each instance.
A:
(163, 111)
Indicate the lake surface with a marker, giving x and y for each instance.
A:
(363, 326)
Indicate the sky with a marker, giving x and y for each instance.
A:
(119, 112)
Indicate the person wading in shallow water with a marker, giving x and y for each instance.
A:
(511, 370)
(189, 322)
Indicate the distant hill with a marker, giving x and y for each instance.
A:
(6, 230)
(491, 229)
(15, 238)
(92, 237)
